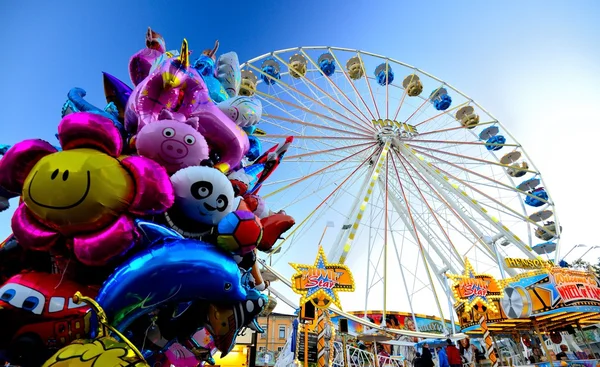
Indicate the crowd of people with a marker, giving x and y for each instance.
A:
(450, 355)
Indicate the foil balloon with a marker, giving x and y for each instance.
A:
(172, 271)
(239, 231)
(141, 63)
(205, 65)
(244, 111)
(255, 148)
(273, 227)
(29, 303)
(203, 197)
(85, 194)
(117, 93)
(76, 103)
(174, 85)
(225, 322)
(104, 350)
(172, 143)
(229, 73)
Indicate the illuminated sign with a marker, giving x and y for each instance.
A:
(319, 283)
(575, 286)
(528, 263)
(403, 126)
(472, 289)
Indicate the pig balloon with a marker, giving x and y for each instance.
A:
(173, 144)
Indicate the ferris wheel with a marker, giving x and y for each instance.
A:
(414, 175)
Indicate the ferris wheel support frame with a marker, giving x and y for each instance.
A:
(334, 253)
(408, 154)
(406, 215)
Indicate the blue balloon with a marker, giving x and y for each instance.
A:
(206, 68)
(255, 148)
(173, 270)
(76, 103)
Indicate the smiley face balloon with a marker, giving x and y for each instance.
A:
(86, 194)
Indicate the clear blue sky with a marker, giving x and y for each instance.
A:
(534, 64)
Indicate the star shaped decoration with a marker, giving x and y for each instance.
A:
(471, 289)
(320, 283)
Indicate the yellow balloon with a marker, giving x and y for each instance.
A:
(78, 190)
(105, 352)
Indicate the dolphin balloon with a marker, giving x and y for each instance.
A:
(172, 270)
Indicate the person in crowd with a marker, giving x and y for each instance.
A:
(426, 357)
(562, 356)
(442, 357)
(466, 351)
(453, 355)
(418, 362)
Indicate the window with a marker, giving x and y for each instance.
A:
(264, 327)
(56, 304)
(279, 349)
(282, 332)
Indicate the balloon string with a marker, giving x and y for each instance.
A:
(62, 276)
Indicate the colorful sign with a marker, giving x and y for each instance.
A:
(575, 286)
(320, 282)
(475, 290)
(527, 263)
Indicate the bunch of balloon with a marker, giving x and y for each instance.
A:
(149, 205)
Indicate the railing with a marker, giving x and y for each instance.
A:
(360, 358)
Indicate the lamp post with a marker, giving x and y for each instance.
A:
(269, 293)
(573, 248)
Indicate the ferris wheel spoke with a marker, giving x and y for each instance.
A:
(300, 122)
(347, 147)
(356, 126)
(307, 110)
(319, 171)
(366, 77)
(322, 91)
(500, 184)
(400, 104)
(455, 128)
(433, 213)
(446, 112)
(511, 211)
(505, 166)
(335, 86)
(322, 202)
(465, 143)
(421, 248)
(465, 222)
(351, 83)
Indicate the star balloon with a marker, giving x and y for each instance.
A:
(473, 289)
(319, 283)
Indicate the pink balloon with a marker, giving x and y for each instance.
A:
(98, 248)
(30, 233)
(173, 144)
(222, 134)
(18, 161)
(84, 129)
(154, 192)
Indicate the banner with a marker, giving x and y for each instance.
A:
(398, 320)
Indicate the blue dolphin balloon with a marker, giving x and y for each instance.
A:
(171, 270)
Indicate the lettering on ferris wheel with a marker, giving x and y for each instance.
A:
(405, 129)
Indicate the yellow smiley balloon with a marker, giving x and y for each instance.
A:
(78, 190)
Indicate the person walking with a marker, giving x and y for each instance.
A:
(426, 357)
(453, 354)
(442, 357)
